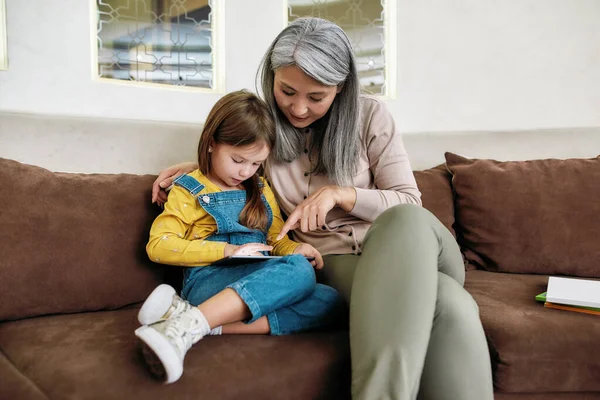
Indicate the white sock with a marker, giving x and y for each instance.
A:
(216, 331)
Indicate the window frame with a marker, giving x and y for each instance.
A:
(3, 37)
(390, 22)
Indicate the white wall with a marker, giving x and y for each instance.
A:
(50, 63)
(489, 64)
(111, 145)
(468, 71)
(462, 64)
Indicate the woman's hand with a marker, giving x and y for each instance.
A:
(311, 213)
(248, 249)
(309, 251)
(165, 179)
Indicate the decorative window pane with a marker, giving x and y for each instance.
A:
(367, 23)
(159, 41)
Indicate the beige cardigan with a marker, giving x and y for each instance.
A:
(384, 179)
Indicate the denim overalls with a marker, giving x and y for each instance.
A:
(285, 290)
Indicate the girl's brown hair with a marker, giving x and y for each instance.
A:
(238, 119)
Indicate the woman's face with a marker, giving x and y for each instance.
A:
(300, 98)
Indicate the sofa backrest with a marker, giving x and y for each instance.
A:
(76, 242)
(72, 242)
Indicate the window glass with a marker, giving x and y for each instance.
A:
(364, 21)
(159, 41)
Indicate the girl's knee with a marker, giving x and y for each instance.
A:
(303, 273)
(332, 305)
(328, 295)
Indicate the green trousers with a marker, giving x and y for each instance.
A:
(415, 331)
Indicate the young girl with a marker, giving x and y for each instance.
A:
(224, 208)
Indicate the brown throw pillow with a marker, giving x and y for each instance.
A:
(436, 194)
(539, 216)
(73, 242)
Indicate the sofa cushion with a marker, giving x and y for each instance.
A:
(538, 216)
(15, 385)
(547, 396)
(436, 193)
(72, 242)
(95, 355)
(535, 349)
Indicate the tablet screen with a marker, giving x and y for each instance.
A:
(239, 260)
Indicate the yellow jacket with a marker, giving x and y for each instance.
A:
(178, 235)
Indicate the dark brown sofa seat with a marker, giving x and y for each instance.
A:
(535, 349)
(15, 385)
(95, 355)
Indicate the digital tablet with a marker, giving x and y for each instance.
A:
(239, 260)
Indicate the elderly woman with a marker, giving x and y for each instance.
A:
(342, 176)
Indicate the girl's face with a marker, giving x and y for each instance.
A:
(231, 165)
(302, 99)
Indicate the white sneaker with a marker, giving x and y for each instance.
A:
(162, 304)
(166, 342)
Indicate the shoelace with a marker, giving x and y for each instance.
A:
(183, 331)
(178, 306)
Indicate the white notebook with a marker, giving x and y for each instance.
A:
(576, 292)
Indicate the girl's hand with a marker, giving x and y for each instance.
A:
(165, 179)
(248, 249)
(309, 251)
(311, 213)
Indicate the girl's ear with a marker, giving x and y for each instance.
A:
(339, 88)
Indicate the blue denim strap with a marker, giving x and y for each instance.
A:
(189, 183)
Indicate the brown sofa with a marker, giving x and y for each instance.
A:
(73, 271)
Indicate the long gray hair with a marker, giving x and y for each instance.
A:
(321, 50)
